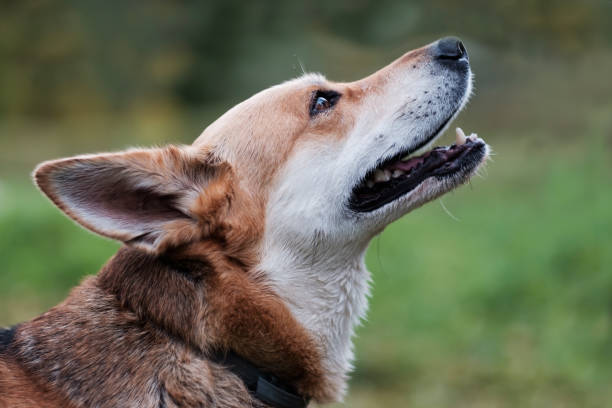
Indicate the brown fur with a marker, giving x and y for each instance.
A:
(18, 390)
(141, 330)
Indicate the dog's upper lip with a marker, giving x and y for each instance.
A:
(432, 136)
(410, 150)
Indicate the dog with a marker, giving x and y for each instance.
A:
(242, 275)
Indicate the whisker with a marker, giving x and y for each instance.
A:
(300, 64)
(448, 212)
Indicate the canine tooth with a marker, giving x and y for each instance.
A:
(397, 173)
(460, 137)
(387, 175)
(369, 183)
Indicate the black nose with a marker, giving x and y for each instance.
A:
(450, 48)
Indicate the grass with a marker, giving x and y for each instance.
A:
(506, 303)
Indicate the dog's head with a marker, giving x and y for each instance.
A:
(305, 161)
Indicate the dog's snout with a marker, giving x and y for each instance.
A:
(450, 48)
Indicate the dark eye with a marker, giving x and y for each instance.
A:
(321, 104)
(322, 101)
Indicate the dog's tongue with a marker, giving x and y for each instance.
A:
(407, 165)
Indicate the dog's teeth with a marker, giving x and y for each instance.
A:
(379, 176)
(382, 176)
(405, 158)
(397, 173)
(460, 137)
(369, 183)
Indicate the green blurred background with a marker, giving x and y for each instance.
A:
(504, 302)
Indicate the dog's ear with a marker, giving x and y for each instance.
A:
(154, 199)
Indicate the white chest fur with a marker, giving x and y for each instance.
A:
(328, 295)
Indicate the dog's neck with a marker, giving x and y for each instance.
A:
(326, 288)
(183, 308)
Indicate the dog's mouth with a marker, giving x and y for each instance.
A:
(402, 173)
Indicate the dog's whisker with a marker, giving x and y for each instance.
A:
(448, 212)
(300, 64)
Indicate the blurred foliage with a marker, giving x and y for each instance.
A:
(509, 306)
(75, 56)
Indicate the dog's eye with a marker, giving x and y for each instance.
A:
(322, 101)
(321, 104)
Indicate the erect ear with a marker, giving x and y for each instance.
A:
(153, 199)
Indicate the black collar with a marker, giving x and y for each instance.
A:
(265, 387)
(7, 335)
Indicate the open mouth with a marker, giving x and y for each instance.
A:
(401, 174)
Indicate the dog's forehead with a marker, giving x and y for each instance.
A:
(308, 79)
(257, 135)
(262, 108)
